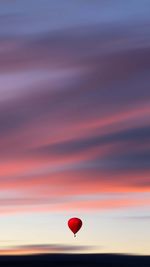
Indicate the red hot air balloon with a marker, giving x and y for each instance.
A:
(74, 224)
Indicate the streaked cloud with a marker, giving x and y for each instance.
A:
(74, 108)
(142, 218)
(42, 248)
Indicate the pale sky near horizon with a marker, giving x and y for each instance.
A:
(74, 126)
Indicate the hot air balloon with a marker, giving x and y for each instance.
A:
(74, 224)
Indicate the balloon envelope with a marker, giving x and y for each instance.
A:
(74, 224)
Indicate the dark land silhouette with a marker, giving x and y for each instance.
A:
(75, 260)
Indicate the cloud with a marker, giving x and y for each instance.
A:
(96, 83)
(74, 203)
(74, 116)
(43, 248)
(79, 145)
(142, 218)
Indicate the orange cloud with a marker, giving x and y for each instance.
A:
(42, 249)
(75, 205)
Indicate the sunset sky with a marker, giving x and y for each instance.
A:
(74, 126)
